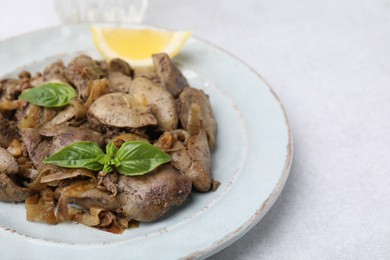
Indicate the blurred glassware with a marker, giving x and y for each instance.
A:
(71, 11)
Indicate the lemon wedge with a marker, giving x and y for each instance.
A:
(137, 45)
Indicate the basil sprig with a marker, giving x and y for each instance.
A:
(137, 158)
(50, 95)
(132, 158)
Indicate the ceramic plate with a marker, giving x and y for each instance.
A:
(252, 161)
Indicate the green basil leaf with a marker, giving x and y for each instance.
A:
(50, 95)
(107, 168)
(78, 155)
(138, 158)
(108, 160)
(111, 150)
(107, 163)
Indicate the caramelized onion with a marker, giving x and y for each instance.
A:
(31, 117)
(75, 110)
(80, 111)
(35, 116)
(62, 174)
(96, 88)
(168, 141)
(51, 175)
(36, 180)
(194, 119)
(62, 117)
(15, 148)
(63, 212)
(101, 219)
(165, 141)
(90, 218)
(137, 101)
(40, 207)
(36, 185)
(48, 114)
(7, 105)
(106, 218)
(26, 168)
(120, 139)
(181, 135)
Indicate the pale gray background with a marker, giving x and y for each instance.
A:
(329, 62)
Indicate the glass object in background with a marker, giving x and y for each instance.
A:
(131, 11)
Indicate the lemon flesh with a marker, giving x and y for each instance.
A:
(137, 45)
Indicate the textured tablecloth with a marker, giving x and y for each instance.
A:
(329, 62)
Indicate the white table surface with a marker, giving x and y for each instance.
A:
(329, 62)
